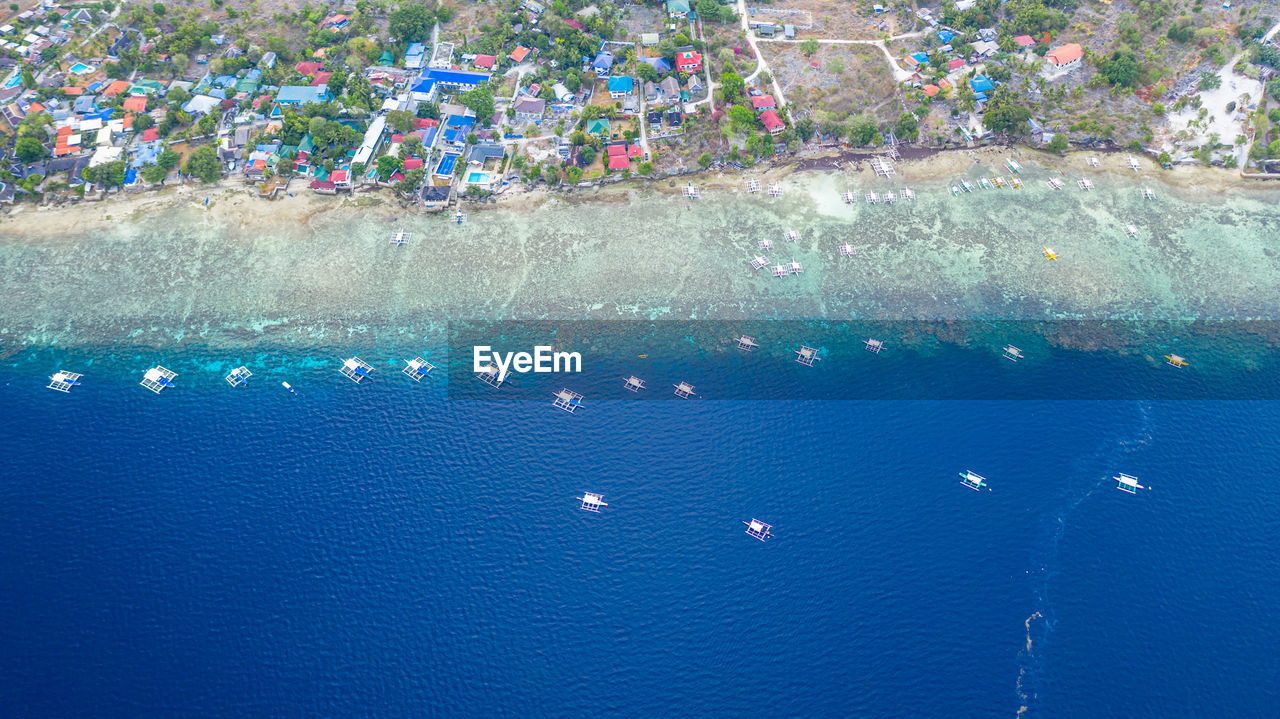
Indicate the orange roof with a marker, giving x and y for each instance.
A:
(519, 53)
(137, 103)
(128, 121)
(73, 90)
(1065, 54)
(34, 108)
(65, 131)
(945, 84)
(115, 88)
(930, 90)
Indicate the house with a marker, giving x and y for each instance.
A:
(620, 86)
(1068, 55)
(268, 60)
(520, 53)
(920, 58)
(669, 88)
(85, 103)
(82, 16)
(618, 157)
(658, 63)
(695, 85)
(372, 140)
(303, 94)
(321, 78)
(678, 8)
(1023, 41)
(436, 197)
(981, 84)
(415, 56)
(982, 48)
(529, 109)
(598, 126)
(772, 122)
(688, 61)
(484, 62)
(651, 92)
(649, 39)
(561, 92)
(955, 64)
(435, 77)
(341, 179)
(484, 152)
(962, 5)
(603, 62)
(335, 22)
(762, 102)
(930, 90)
(988, 34)
(308, 68)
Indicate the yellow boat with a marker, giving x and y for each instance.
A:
(1049, 254)
(1175, 360)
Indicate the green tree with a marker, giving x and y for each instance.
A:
(154, 174)
(907, 127)
(1121, 69)
(1210, 81)
(29, 149)
(805, 128)
(646, 168)
(108, 174)
(1005, 114)
(411, 22)
(808, 46)
(645, 71)
(732, 85)
(412, 180)
(142, 122)
(705, 160)
(387, 166)
(428, 110)
(575, 174)
(400, 121)
(207, 124)
(28, 79)
(203, 163)
(480, 100)
(1059, 143)
(168, 159)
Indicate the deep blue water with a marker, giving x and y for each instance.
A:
(381, 550)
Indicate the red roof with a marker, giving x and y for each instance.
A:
(1024, 40)
(150, 134)
(485, 61)
(413, 163)
(64, 131)
(307, 68)
(762, 102)
(396, 176)
(115, 88)
(1066, 54)
(573, 24)
(520, 53)
(137, 103)
(34, 108)
(424, 123)
(930, 90)
(397, 137)
(73, 90)
(771, 120)
(688, 60)
(615, 150)
(955, 63)
(339, 175)
(634, 150)
(619, 162)
(321, 78)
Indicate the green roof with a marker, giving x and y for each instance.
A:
(598, 126)
(306, 145)
(678, 6)
(386, 58)
(145, 87)
(246, 85)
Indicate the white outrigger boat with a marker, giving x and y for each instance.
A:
(1128, 483)
(973, 481)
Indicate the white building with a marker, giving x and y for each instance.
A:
(372, 139)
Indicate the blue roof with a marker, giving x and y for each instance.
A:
(447, 163)
(302, 94)
(920, 57)
(432, 76)
(620, 83)
(454, 134)
(254, 74)
(460, 121)
(225, 81)
(429, 137)
(659, 63)
(130, 176)
(981, 84)
(945, 36)
(93, 86)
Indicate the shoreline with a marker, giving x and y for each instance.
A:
(236, 205)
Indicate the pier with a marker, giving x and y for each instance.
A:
(157, 379)
(355, 369)
(238, 376)
(592, 502)
(64, 381)
(567, 400)
(417, 368)
(633, 383)
(807, 355)
(759, 530)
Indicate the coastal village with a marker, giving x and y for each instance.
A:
(439, 101)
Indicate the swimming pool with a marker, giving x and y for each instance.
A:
(13, 81)
(479, 178)
(81, 69)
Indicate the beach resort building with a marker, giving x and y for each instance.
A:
(772, 122)
(299, 95)
(620, 86)
(372, 141)
(688, 61)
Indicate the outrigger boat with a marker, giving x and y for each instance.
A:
(1049, 254)
(1175, 361)
(1128, 483)
(967, 187)
(1015, 182)
(973, 481)
(999, 182)
(1013, 165)
(955, 190)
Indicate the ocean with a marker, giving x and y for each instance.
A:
(395, 549)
